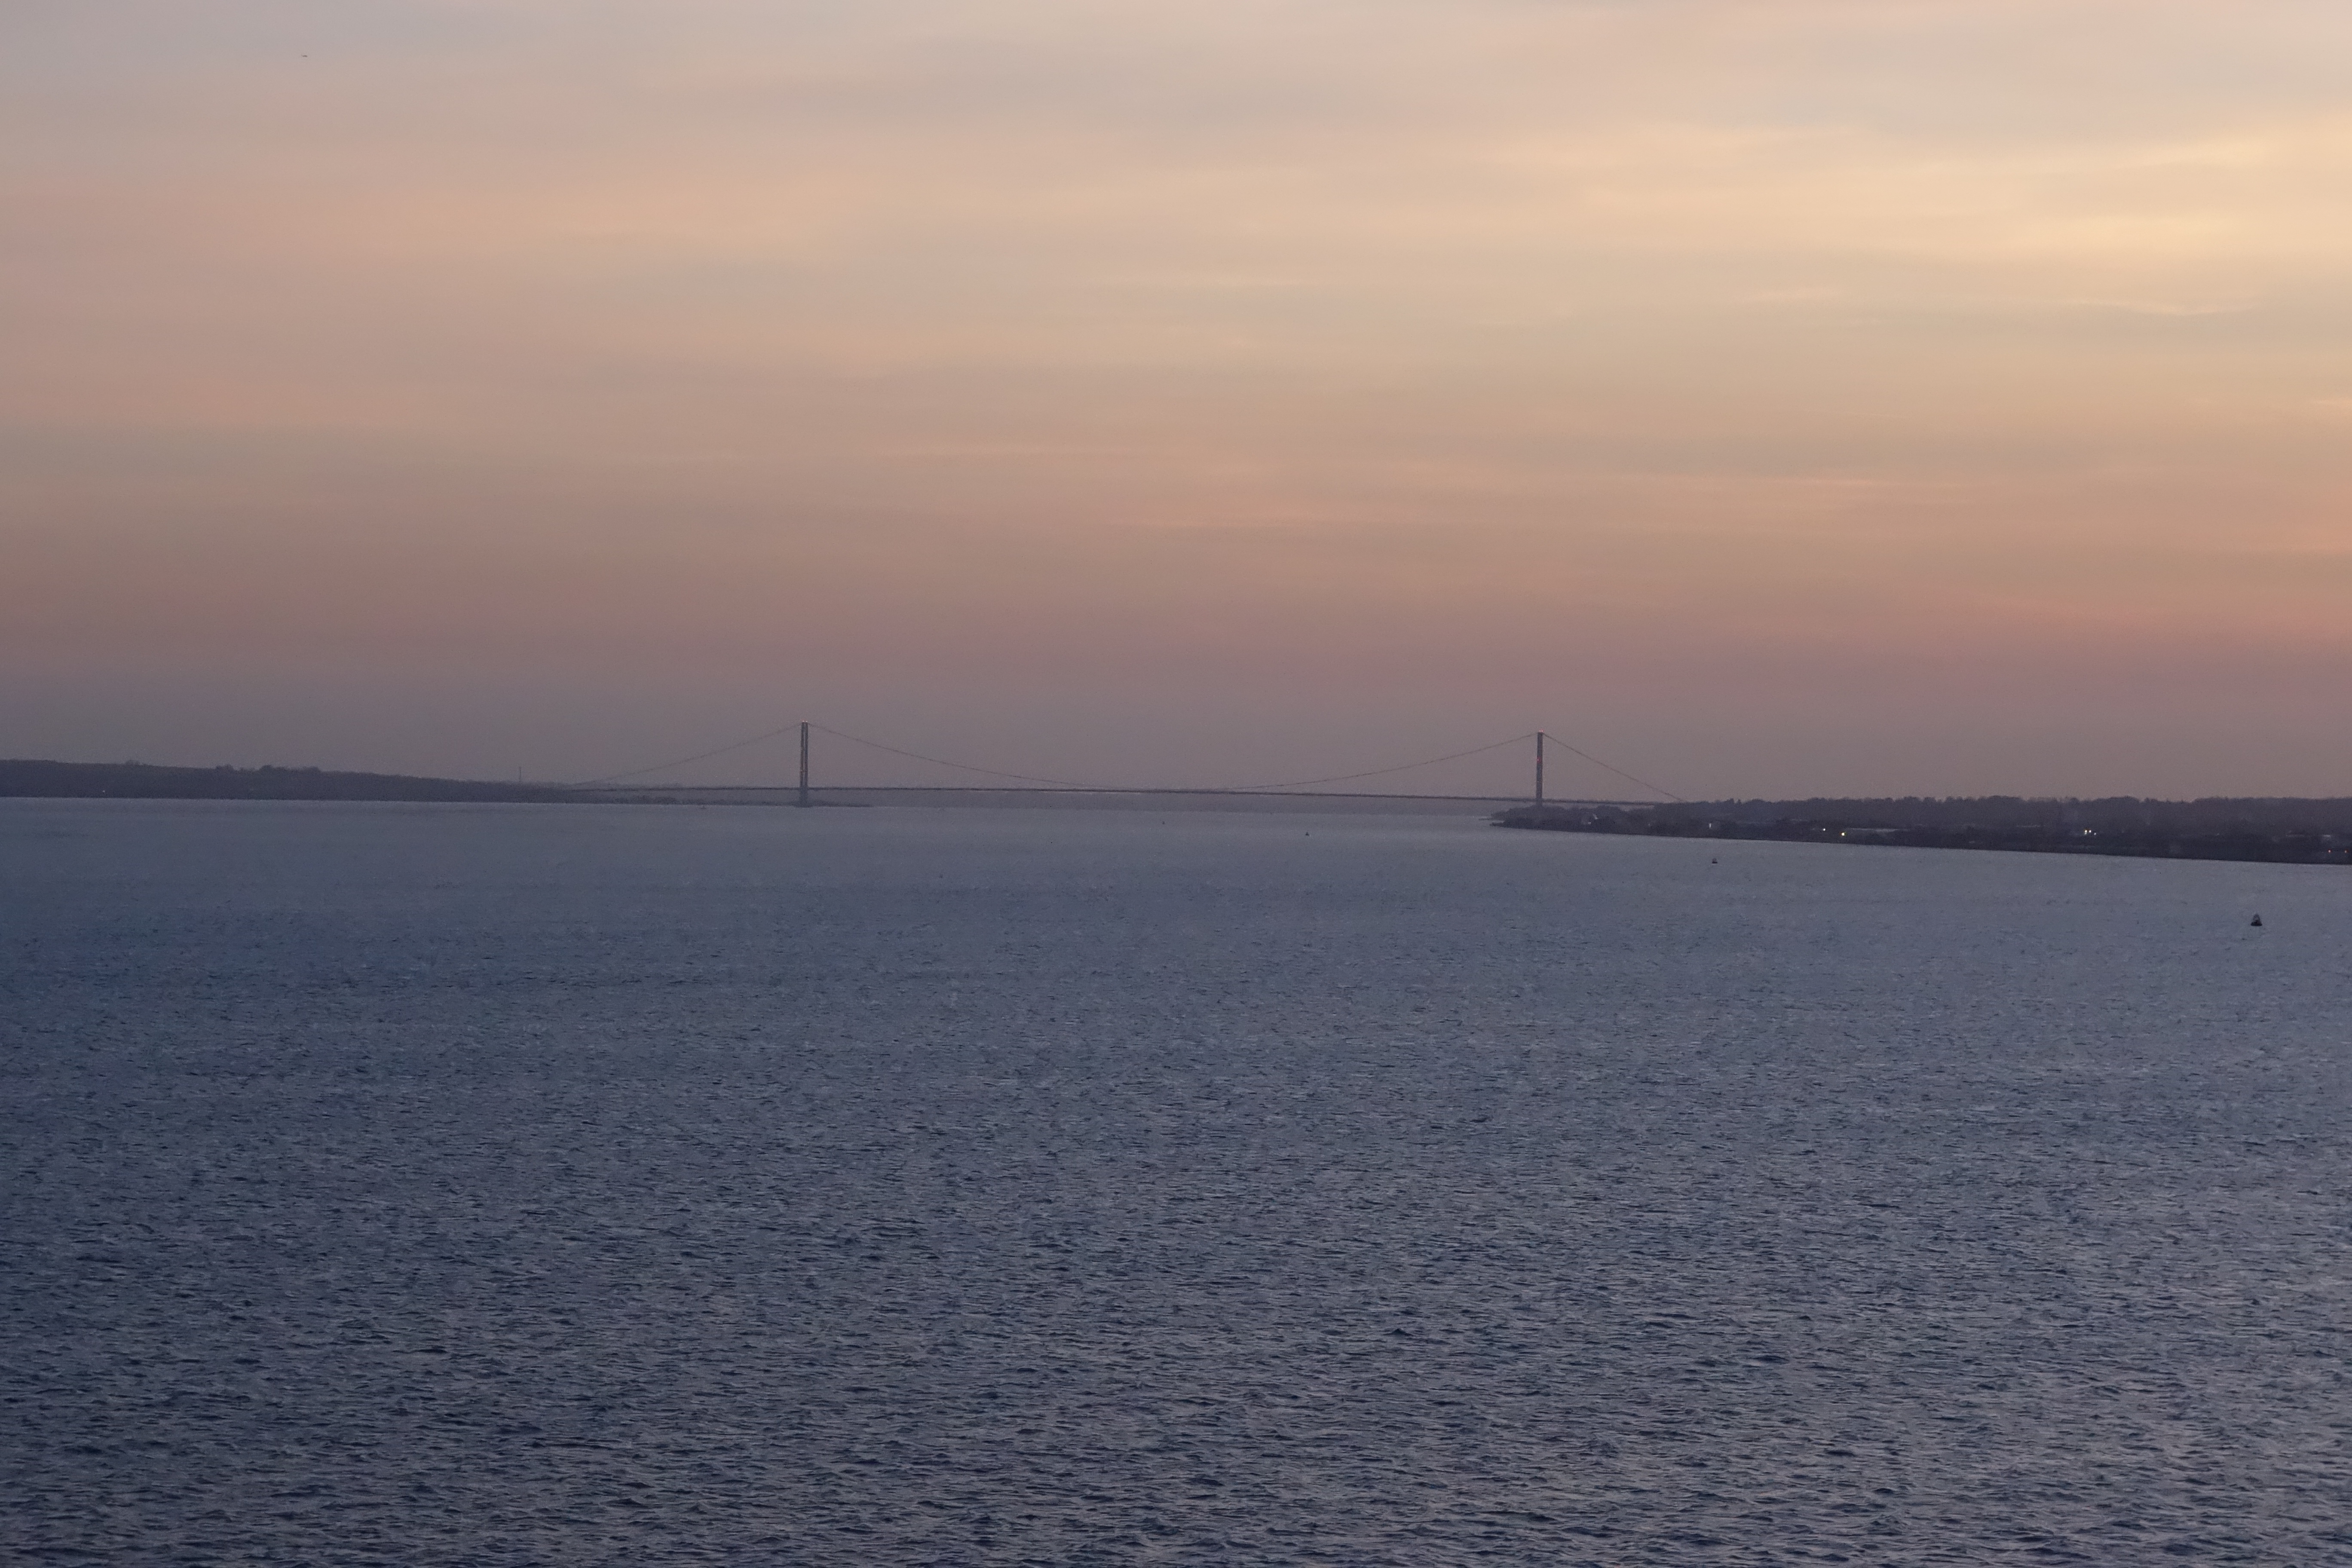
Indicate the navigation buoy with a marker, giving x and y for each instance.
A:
(2258, 920)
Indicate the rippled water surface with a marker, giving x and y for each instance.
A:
(501, 1186)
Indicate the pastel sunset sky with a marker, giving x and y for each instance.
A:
(1773, 396)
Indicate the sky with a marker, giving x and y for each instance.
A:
(1772, 397)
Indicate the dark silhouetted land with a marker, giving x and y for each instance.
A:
(146, 781)
(2311, 832)
(2298, 831)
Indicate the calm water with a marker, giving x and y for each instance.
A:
(499, 1185)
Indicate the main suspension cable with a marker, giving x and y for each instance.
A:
(681, 762)
(1379, 772)
(1621, 773)
(944, 763)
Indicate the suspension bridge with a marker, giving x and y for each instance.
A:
(808, 790)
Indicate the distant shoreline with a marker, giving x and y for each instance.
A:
(21, 778)
(148, 781)
(2278, 830)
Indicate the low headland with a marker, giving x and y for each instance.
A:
(149, 781)
(2305, 831)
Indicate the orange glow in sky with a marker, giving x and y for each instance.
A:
(1780, 397)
